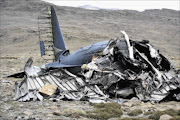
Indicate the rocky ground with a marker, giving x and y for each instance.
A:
(80, 27)
(132, 109)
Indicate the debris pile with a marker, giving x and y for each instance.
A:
(125, 68)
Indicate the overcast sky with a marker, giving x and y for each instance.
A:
(122, 4)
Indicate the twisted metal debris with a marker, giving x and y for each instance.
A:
(125, 68)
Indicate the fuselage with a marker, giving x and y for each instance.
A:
(74, 61)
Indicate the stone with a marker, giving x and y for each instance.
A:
(48, 89)
(28, 113)
(57, 112)
(128, 104)
(54, 107)
(5, 81)
(49, 115)
(21, 105)
(135, 100)
(165, 117)
(21, 118)
(75, 115)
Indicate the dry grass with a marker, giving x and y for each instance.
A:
(105, 111)
(135, 112)
(156, 115)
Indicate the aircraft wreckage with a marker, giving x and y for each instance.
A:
(119, 68)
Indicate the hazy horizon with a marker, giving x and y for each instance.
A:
(128, 5)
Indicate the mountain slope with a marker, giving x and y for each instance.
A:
(89, 7)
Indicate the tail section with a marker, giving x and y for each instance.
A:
(51, 39)
(57, 35)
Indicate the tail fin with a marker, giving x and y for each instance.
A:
(51, 39)
(57, 35)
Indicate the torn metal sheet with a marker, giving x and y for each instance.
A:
(69, 86)
(124, 68)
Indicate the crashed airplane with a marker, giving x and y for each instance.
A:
(119, 68)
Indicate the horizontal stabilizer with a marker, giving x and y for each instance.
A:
(50, 36)
(17, 75)
(42, 48)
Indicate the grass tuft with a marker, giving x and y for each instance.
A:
(135, 112)
(74, 113)
(139, 118)
(175, 118)
(156, 115)
(148, 113)
(105, 111)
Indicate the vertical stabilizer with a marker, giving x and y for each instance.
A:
(57, 34)
(51, 39)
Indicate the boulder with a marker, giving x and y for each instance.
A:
(57, 112)
(165, 117)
